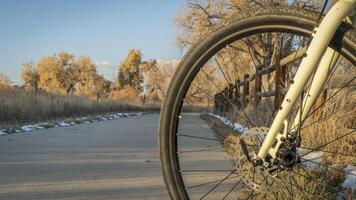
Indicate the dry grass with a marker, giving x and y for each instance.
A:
(19, 107)
(335, 119)
(328, 181)
(197, 107)
(312, 184)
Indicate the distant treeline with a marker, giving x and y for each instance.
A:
(64, 85)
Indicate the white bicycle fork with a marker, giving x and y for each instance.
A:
(318, 57)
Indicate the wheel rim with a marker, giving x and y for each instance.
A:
(174, 113)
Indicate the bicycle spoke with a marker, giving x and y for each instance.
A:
(250, 196)
(213, 88)
(301, 41)
(197, 137)
(300, 189)
(222, 72)
(205, 170)
(324, 165)
(197, 125)
(255, 65)
(286, 186)
(290, 182)
(313, 180)
(324, 103)
(269, 103)
(300, 123)
(248, 44)
(233, 187)
(221, 181)
(228, 100)
(232, 60)
(323, 145)
(275, 196)
(321, 119)
(204, 138)
(212, 98)
(331, 152)
(208, 183)
(199, 150)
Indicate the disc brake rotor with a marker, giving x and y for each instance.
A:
(257, 178)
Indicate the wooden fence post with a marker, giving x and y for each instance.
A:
(216, 105)
(258, 85)
(237, 93)
(246, 90)
(227, 103)
(231, 95)
(220, 103)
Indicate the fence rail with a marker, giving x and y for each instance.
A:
(240, 95)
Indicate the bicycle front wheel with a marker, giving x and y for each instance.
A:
(238, 76)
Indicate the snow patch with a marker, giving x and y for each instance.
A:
(314, 157)
(350, 179)
(63, 124)
(29, 128)
(235, 126)
(80, 120)
(340, 196)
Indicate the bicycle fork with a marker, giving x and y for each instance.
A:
(318, 57)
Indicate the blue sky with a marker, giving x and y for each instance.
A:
(101, 29)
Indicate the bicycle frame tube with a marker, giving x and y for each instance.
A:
(327, 63)
(314, 55)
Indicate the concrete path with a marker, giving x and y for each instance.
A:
(114, 159)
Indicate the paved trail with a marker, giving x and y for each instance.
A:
(114, 159)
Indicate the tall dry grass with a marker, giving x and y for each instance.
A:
(336, 118)
(301, 184)
(18, 107)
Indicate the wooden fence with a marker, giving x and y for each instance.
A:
(239, 94)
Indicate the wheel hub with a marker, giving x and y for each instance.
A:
(255, 173)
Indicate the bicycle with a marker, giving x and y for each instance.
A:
(269, 158)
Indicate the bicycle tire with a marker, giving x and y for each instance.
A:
(284, 19)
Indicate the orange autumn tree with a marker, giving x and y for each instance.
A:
(130, 77)
(65, 74)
